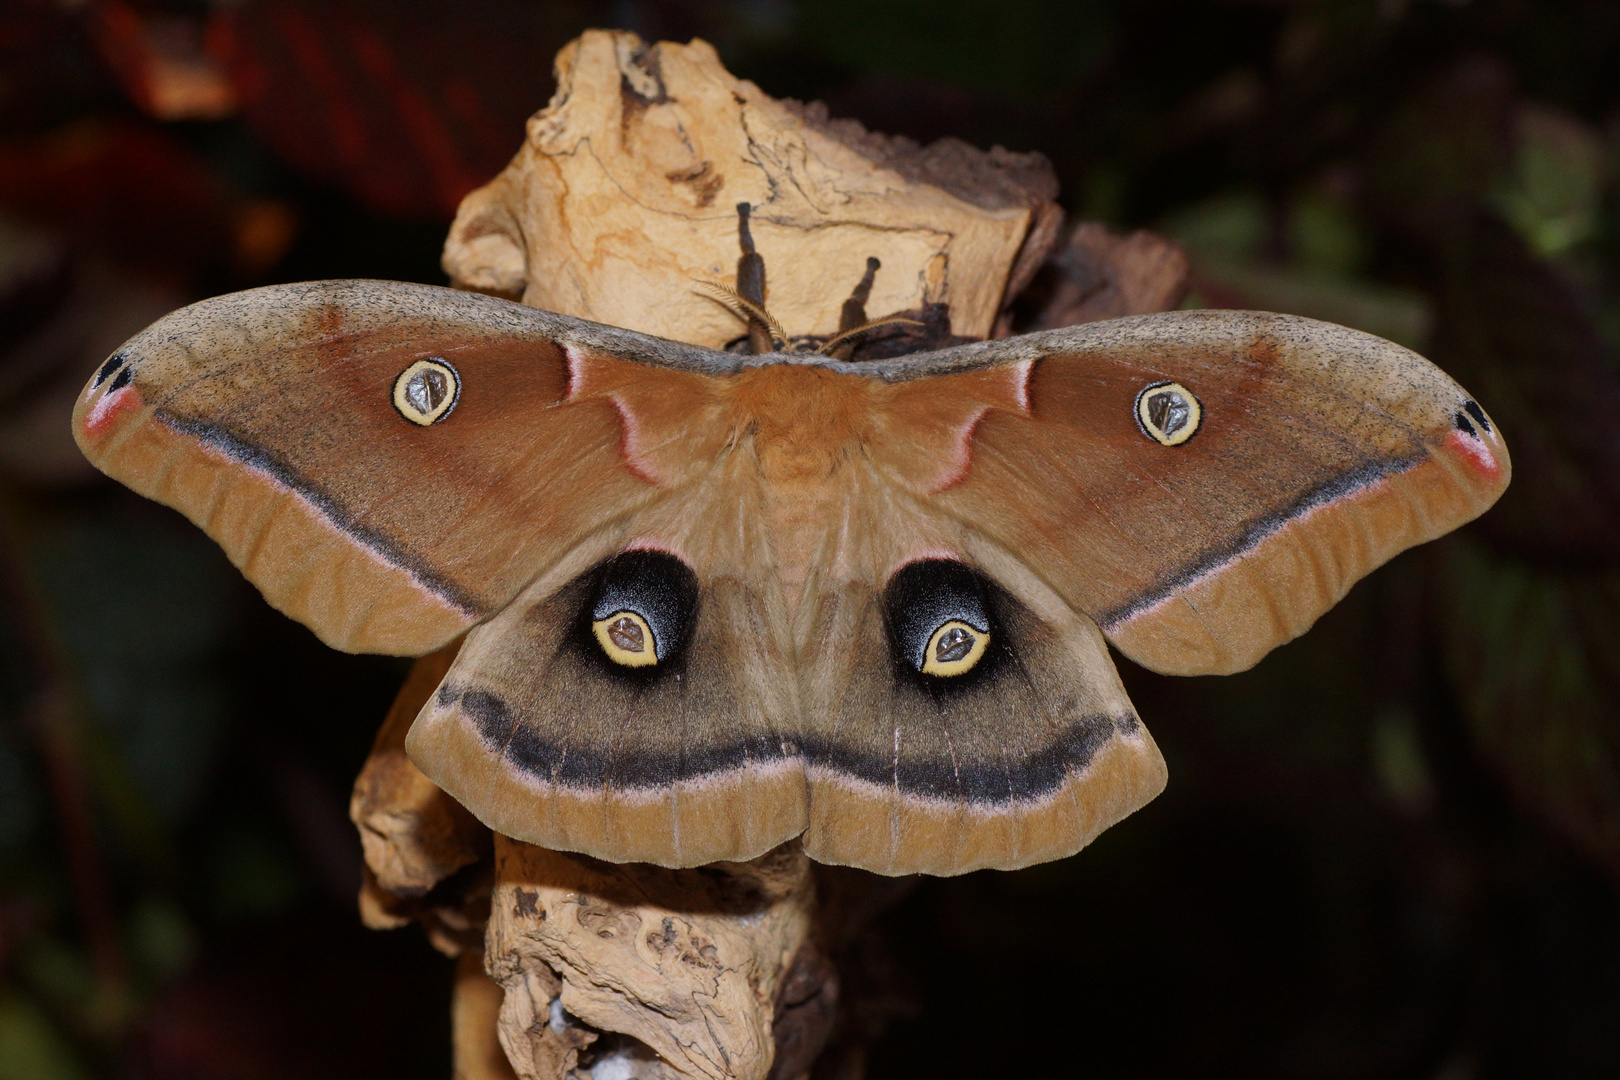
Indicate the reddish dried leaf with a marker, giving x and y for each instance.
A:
(408, 109)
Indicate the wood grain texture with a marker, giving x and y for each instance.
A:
(688, 966)
(412, 834)
(629, 179)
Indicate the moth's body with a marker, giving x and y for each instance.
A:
(817, 454)
(796, 438)
(710, 603)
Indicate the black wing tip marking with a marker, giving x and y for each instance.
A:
(112, 364)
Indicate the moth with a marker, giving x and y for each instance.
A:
(709, 602)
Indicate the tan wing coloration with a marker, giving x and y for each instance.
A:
(784, 711)
(1022, 759)
(268, 418)
(718, 602)
(1319, 453)
(688, 760)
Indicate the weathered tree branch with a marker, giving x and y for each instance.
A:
(623, 194)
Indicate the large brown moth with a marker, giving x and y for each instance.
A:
(712, 601)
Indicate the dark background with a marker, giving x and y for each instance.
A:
(1391, 850)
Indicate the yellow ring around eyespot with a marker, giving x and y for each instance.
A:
(1195, 414)
(408, 409)
(647, 657)
(932, 665)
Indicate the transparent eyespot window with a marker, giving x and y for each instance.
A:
(954, 649)
(626, 639)
(1168, 413)
(425, 392)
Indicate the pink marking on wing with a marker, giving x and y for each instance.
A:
(111, 406)
(630, 447)
(1020, 373)
(961, 458)
(655, 543)
(923, 554)
(1473, 450)
(962, 453)
(575, 377)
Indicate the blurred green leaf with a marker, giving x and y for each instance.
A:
(19, 795)
(1230, 227)
(1325, 237)
(30, 1048)
(140, 609)
(59, 972)
(161, 938)
(1398, 761)
(1552, 188)
(1397, 314)
(1534, 657)
(62, 976)
(1516, 332)
(252, 876)
(1226, 236)
(1442, 146)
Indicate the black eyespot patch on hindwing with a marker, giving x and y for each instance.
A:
(938, 616)
(640, 612)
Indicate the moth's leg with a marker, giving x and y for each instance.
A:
(853, 313)
(751, 283)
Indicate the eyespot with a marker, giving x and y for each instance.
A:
(938, 621)
(1168, 413)
(427, 391)
(954, 649)
(642, 608)
(627, 639)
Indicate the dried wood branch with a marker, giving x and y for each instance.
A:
(624, 191)
(626, 187)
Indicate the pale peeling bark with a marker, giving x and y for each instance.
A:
(413, 835)
(687, 963)
(623, 193)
